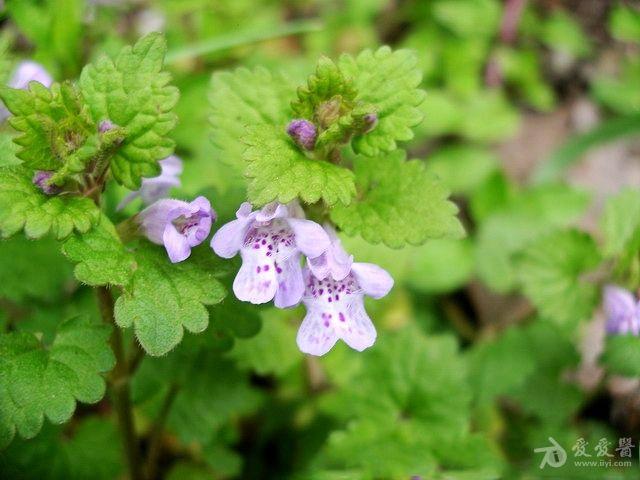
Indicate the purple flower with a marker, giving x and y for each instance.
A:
(622, 310)
(270, 242)
(177, 225)
(26, 72)
(29, 71)
(41, 180)
(303, 132)
(335, 301)
(153, 189)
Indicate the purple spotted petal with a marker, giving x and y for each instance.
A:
(374, 280)
(334, 262)
(290, 282)
(256, 280)
(227, 241)
(621, 308)
(335, 310)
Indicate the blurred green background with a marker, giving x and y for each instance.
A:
(531, 117)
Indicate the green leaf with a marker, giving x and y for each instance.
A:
(92, 450)
(389, 80)
(398, 202)
(166, 298)
(622, 355)
(278, 170)
(22, 263)
(624, 23)
(132, 91)
(24, 206)
(468, 18)
(38, 380)
(53, 123)
(462, 167)
(244, 98)
(8, 151)
(327, 83)
(561, 32)
(552, 271)
(100, 256)
(406, 409)
(524, 218)
(273, 351)
(620, 223)
(210, 390)
(619, 93)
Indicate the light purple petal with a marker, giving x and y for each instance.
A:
(290, 282)
(176, 244)
(315, 335)
(374, 280)
(171, 166)
(622, 312)
(29, 71)
(155, 217)
(244, 210)
(256, 280)
(229, 238)
(311, 239)
(335, 262)
(358, 332)
(271, 211)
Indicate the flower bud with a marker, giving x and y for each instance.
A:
(41, 180)
(105, 126)
(303, 132)
(370, 121)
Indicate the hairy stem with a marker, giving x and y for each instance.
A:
(155, 438)
(119, 386)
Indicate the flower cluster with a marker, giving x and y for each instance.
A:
(622, 310)
(331, 286)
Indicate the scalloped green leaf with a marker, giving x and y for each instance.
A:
(245, 98)
(278, 170)
(389, 80)
(398, 203)
(166, 298)
(554, 272)
(24, 207)
(38, 380)
(100, 255)
(134, 93)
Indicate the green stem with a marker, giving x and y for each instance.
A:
(119, 386)
(240, 38)
(155, 438)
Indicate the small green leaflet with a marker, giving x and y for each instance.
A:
(23, 206)
(622, 355)
(53, 124)
(166, 298)
(553, 272)
(398, 203)
(278, 170)
(245, 98)
(389, 80)
(620, 223)
(39, 380)
(132, 92)
(100, 256)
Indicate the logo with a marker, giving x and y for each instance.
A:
(555, 456)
